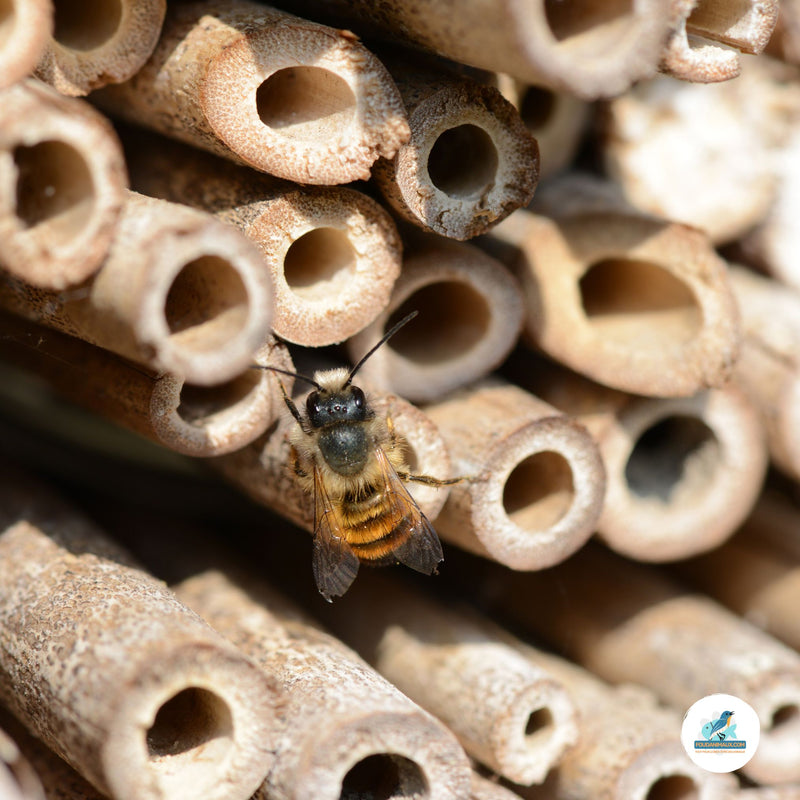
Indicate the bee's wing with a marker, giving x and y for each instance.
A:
(422, 549)
(335, 565)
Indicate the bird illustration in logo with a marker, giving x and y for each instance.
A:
(720, 728)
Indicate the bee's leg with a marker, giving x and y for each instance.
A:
(429, 480)
(292, 407)
(294, 463)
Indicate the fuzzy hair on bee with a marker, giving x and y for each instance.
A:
(351, 461)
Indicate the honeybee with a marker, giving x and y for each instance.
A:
(351, 461)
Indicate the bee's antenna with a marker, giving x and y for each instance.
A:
(386, 336)
(290, 374)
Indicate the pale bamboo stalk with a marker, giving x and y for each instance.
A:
(104, 664)
(597, 49)
(682, 473)
(93, 44)
(785, 41)
(785, 792)
(199, 421)
(617, 756)
(507, 714)
(364, 738)
(25, 26)
(470, 160)
(536, 479)
(334, 253)
(263, 469)
(726, 181)
(179, 291)
(485, 789)
(640, 304)
(470, 315)
(18, 779)
(627, 623)
(62, 184)
(769, 367)
(286, 96)
(706, 36)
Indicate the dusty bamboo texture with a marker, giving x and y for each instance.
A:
(470, 160)
(25, 26)
(626, 623)
(345, 730)
(485, 789)
(594, 50)
(536, 480)
(617, 757)
(94, 44)
(682, 473)
(179, 291)
(287, 96)
(62, 185)
(508, 714)
(470, 316)
(18, 779)
(756, 574)
(706, 36)
(103, 664)
(200, 421)
(636, 303)
(263, 469)
(334, 253)
(769, 367)
(726, 180)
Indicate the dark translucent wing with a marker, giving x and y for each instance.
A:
(422, 549)
(335, 565)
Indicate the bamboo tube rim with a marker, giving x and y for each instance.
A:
(25, 26)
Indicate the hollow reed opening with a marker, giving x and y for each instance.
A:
(784, 716)
(453, 318)
(85, 24)
(384, 776)
(673, 787)
(537, 107)
(640, 303)
(674, 459)
(55, 193)
(539, 725)
(207, 304)
(539, 491)
(319, 262)
(306, 103)
(600, 24)
(199, 404)
(463, 162)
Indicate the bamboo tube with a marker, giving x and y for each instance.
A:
(682, 472)
(198, 421)
(726, 181)
(785, 792)
(25, 26)
(592, 50)
(785, 41)
(364, 739)
(706, 35)
(769, 367)
(97, 43)
(18, 780)
(536, 479)
(507, 714)
(617, 756)
(636, 303)
(334, 253)
(104, 665)
(62, 184)
(656, 634)
(286, 96)
(179, 291)
(485, 789)
(470, 160)
(470, 315)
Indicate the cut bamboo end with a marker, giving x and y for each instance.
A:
(286, 96)
(179, 292)
(470, 160)
(769, 369)
(639, 304)
(93, 44)
(62, 184)
(470, 315)
(701, 46)
(534, 496)
(195, 717)
(366, 739)
(18, 779)
(25, 26)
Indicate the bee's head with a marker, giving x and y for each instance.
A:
(327, 405)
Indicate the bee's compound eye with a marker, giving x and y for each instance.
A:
(312, 404)
(358, 397)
